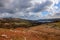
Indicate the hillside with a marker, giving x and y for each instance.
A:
(40, 32)
(21, 29)
(16, 22)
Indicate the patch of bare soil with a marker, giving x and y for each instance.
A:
(40, 32)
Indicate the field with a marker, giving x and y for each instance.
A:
(27, 30)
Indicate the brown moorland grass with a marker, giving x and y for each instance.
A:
(40, 32)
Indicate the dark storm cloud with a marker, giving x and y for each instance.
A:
(24, 8)
(41, 7)
(15, 6)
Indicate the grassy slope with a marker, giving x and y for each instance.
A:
(48, 31)
(16, 22)
(40, 32)
(54, 25)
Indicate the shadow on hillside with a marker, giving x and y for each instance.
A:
(16, 23)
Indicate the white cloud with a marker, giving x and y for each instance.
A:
(5, 15)
(28, 8)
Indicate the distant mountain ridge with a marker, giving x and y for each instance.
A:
(48, 20)
(18, 22)
(40, 20)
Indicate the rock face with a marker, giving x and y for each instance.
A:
(33, 33)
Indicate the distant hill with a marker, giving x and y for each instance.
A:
(48, 20)
(18, 22)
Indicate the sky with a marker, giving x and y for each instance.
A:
(30, 9)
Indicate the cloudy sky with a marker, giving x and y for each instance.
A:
(30, 9)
